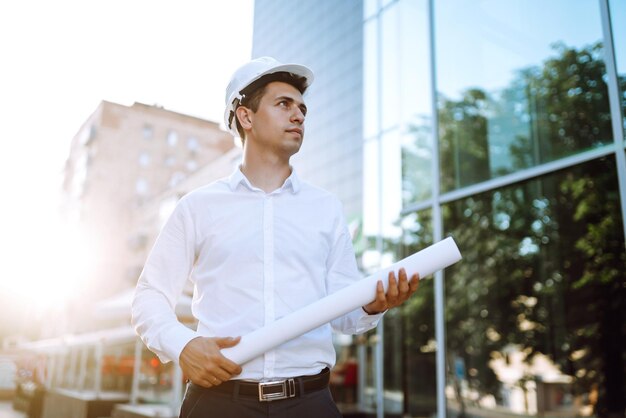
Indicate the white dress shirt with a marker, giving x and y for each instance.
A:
(253, 257)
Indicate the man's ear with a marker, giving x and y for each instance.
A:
(243, 114)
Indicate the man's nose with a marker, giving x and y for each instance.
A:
(297, 115)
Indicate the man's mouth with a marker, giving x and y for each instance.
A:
(299, 131)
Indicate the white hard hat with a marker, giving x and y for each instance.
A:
(249, 73)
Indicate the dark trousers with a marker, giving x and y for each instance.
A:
(206, 403)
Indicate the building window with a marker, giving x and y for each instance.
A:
(172, 138)
(545, 99)
(542, 278)
(176, 178)
(618, 24)
(170, 160)
(192, 144)
(147, 131)
(141, 187)
(144, 159)
(192, 165)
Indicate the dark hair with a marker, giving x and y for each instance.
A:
(255, 91)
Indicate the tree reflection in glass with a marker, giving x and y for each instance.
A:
(547, 112)
(535, 311)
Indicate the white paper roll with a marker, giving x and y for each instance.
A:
(425, 262)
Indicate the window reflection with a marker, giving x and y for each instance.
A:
(389, 60)
(532, 88)
(410, 373)
(535, 310)
(618, 24)
(370, 79)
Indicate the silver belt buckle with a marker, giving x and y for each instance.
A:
(276, 390)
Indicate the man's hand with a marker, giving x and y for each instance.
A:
(397, 292)
(203, 363)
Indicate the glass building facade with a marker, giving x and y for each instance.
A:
(501, 124)
(327, 36)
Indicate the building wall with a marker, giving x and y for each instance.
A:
(121, 159)
(327, 37)
(148, 221)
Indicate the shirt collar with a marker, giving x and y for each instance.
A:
(237, 178)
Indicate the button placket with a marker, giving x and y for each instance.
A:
(268, 275)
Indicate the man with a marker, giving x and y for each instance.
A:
(258, 246)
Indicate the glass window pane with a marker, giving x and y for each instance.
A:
(618, 24)
(390, 58)
(371, 188)
(535, 311)
(417, 160)
(370, 79)
(517, 87)
(415, 102)
(410, 333)
(370, 7)
(414, 61)
(391, 179)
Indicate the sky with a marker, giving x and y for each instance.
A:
(59, 60)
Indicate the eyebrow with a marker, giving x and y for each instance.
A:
(289, 99)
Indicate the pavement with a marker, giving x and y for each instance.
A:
(7, 411)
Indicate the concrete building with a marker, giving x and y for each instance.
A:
(120, 161)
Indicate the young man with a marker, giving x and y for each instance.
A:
(258, 246)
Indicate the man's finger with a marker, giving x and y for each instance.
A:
(403, 284)
(218, 375)
(231, 368)
(414, 283)
(380, 291)
(392, 290)
(226, 342)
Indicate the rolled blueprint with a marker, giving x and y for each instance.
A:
(425, 262)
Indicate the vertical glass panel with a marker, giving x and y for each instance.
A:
(410, 333)
(517, 87)
(618, 24)
(370, 7)
(391, 178)
(535, 312)
(415, 100)
(416, 164)
(390, 58)
(366, 356)
(371, 194)
(414, 61)
(370, 79)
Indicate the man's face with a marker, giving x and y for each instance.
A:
(278, 123)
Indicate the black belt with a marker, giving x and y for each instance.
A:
(276, 389)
